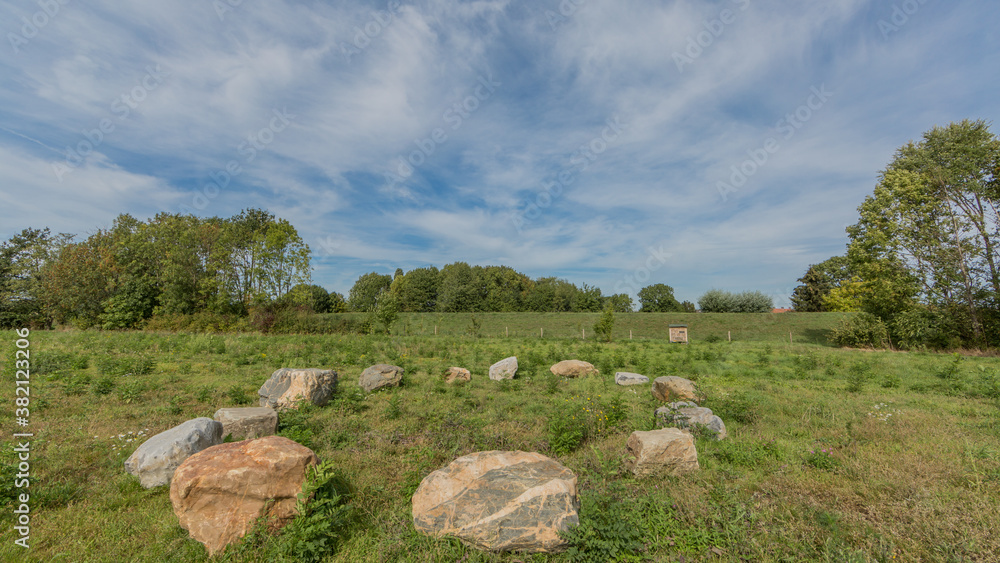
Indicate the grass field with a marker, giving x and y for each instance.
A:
(740, 327)
(911, 470)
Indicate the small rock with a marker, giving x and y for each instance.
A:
(626, 378)
(504, 369)
(499, 501)
(688, 415)
(669, 451)
(457, 374)
(219, 493)
(380, 375)
(247, 423)
(155, 461)
(672, 388)
(287, 387)
(574, 368)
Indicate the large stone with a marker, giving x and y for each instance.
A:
(380, 375)
(457, 374)
(627, 378)
(155, 461)
(669, 451)
(247, 423)
(574, 368)
(287, 387)
(504, 369)
(218, 493)
(689, 415)
(499, 501)
(673, 388)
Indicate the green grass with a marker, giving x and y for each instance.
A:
(922, 484)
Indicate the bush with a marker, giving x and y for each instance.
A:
(718, 301)
(922, 328)
(608, 531)
(863, 330)
(604, 325)
(566, 433)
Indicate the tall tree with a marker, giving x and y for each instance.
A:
(658, 298)
(364, 294)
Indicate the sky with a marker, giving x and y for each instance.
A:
(619, 143)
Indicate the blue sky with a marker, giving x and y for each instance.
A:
(620, 143)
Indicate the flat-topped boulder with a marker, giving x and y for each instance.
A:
(499, 501)
(504, 369)
(686, 414)
(155, 461)
(287, 387)
(574, 368)
(673, 388)
(669, 451)
(627, 378)
(380, 376)
(218, 493)
(457, 374)
(247, 423)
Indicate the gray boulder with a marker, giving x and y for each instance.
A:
(156, 459)
(626, 378)
(380, 375)
(504, 369)
(688, 415)
(247, 423)
(287, 387)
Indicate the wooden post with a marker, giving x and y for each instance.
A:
(630, 334)
(584, 333)
(730, 333)
(789, 337)
(541, 333)
(435, 330)
(505, 332)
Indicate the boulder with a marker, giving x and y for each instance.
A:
(380, 375)
(287, 387)
(457, 374)
(155, 461)
(504, 369)
(499, 501)
(574, 368)
(218, 493)
(669, 451)
(247, 423)
(673, 388)
(626, 378)
(688, 415)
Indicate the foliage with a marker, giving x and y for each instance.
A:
(620, 303)
(323, 516)
(365, 291)
(821, 459)
(863, 330)
(566, 433)
(608, 530)
(605, 325)
(658, 298)
(921, 327)
(718, 301)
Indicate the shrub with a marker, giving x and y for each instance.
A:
(323, 516)
(608, 530)
(604, 325)
(739, 406)
(922, 328)
(857, 375)
(238, 395)
(131, 391)
(124, 365)
(103, 386)
(566, 433)
(863, 330)
(718, 301)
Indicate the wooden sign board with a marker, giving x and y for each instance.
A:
(679, 334)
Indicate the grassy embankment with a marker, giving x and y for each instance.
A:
(922, 484)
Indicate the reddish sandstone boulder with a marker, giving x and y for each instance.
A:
(219, 492)
(457, 374)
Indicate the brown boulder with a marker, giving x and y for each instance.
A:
(499, 501)
(457, 374)
(574, 368)
(287, 387)
(219, 492)
(673, 388)
(669, 451)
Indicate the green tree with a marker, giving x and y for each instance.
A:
(417, 289)
(621, 303)
(22, 260)
(364, 293)
(817, 283)
(605, 325)
(587, 299)
(460, 290)
(658, 298)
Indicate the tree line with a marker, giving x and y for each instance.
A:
(172, 264)
(922, 262)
